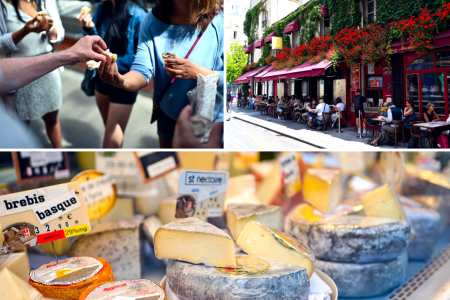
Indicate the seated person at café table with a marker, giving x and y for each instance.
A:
(292, 102)
(431, 116)
(319, 120)
(339, 108)
(281, 106)
(305, 107)
(264, 98)
(394, 114)
(271, 100)
(410, 115)
(297, 108)
(311, 112)
(251, 101)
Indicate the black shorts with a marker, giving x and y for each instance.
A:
(362, 113)
(165, 125)
(115, 94)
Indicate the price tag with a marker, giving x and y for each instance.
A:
(290, 175)
(116, 163)
(153, 165)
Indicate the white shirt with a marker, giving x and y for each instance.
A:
(389, 117)
(322, 107)
(341, 106)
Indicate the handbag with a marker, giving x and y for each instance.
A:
(88, 83)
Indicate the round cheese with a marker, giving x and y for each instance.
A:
(125, 289)
(359, 239)
(425, 224)
(68, 279)
(254, 278)
(366, 280)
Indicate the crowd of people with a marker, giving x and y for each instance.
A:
(190, 29)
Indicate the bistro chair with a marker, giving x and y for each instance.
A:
(368, 125)
(399, 129)
(287, 112)
(327, 119)
(263, 110)
(416, 132)
(297, 115)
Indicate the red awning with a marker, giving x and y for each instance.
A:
(259, 43)
(269, 37)
(248, 76)
(249, 48)
(293, 26)
(304, 70)
(440, 40)
(261, 74)
(275, 75)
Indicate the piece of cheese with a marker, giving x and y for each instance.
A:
(141, 289)
(148, 196)
(359, 239)
(17, 263)
(195, 241)
(117, 242)
(167, 209)
(241, 184)
(40, 15)
(12, 287)
(245, 197)
(259, 240)
(238, 215)
(61, 246)
(85, 9)
(383, 203)
(356, 186)
(262, 169)
(92, 64)
(68, 279)
(255, 278)
(151, 225)
(366, 280)
(322, 189)
(424, 182)
(122, 209)
(110, 54)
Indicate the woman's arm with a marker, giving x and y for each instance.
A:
(425, 117)
(88, 22)
(9, 41)
(408, 112)
(435, 116)
(56, 36)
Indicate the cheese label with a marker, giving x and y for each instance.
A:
(43, 215)
(116, 163)
(247, 266)
(202, 194)
(69, 271)
(153, 165)
(290, 175)
(142, 289)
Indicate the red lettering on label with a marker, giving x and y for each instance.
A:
(113, 288)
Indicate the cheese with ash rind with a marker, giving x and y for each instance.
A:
(238, 215)
(259, 240)
(383, 203)
(355, 280)
(425, 223)
(195, 241)
(256, 278)
(359, 239)
(322, 189)
(17, 263)
(13, 287)
(166, 210)
(116, 242)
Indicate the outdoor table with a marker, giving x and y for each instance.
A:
(433, 126)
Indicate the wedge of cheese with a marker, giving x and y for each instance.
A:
(240, 184)
(383, 203)
(245, 197)
(18, 264)
(262, 169)
(322, 189)
(13, 287)
(238, 215)
(262, 241)
(166, 210)
(195, 241)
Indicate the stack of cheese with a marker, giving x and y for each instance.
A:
(364, 255)
(203, 264)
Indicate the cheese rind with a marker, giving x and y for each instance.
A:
(366, 280)
(280, 281)
(359, 239)
(195, 241)
(13, 287)
(116, 242)
(383, 203)
(259, 240)
(17, 263)
(322, 189)
(166, 210)
(238, 215)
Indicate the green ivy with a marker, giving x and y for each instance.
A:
(265, 53)
(286, 41)
(251, 22)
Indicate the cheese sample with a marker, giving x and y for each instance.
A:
(246, 197)
(40, 15)
(238, 215)
(195, 241)
(359, 239)
(166, 210)
(85, 9)
(240, 184)
(16, 263)
(141, 289)
(69, 278)
(117, 242)
(109, 54)
(383, 203)
(259, 240)
(425, 223)
(12, 287)
(366, 280)
(256, 278)
(322, 189)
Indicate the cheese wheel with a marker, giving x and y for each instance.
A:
(128, 289)
(71, 277)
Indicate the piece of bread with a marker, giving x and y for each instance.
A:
(92, 64)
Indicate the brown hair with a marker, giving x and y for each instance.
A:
(202, 11)
(410, 102)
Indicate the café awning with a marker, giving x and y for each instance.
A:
(293, 26)
(259, 43)
(261, 74)
(268, 38)
(249, 48)
(248, 76)
(304, 70)
(440, 40)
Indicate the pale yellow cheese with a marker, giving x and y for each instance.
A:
(322, 189)
(61, 246)
(262, 169)
(383, 203)
(260, 240)
(195, 241)
(245, 197)
(240, 184)
(2, 237)
(166, 210)
(269, 192)
(13, 287)
(238, 215)
(122, 209)
(17, 263)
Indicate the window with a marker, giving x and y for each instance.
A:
(443, 59)
(264, 19)
(424, 62)
(304, 88)
(235, 34)
(433, 91)
(321, 88)
(326, 25)
(412, 89)
(235, 9)
(371, 11)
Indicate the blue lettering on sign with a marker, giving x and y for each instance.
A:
(213, 192)
(195, 190)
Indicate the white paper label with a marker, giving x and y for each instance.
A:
(98, 188)
(161, 167)
(290, 174)
(61, 174)
(20, 202)
(57, 207)
(116, 163)
(204, 184)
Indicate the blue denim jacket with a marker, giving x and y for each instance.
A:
(125, 61)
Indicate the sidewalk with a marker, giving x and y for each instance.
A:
(331, 140)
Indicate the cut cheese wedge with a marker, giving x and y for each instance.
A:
(16, 263)
(239, 184)
(238, 215)
(13, 287)
(322, 189)
(260, 240)
(262, 169)
(166, 210)
(245, 197)
(383, 203)
(195, 241)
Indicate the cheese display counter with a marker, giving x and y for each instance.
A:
(310, 226)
